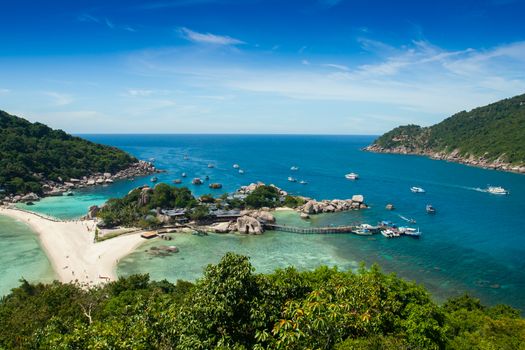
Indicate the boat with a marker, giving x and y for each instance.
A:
(302, 182)
(211, 166)
(291, 179)
(410, 231)
(294, 168)
(236, 166)
(207, 177)
(215, 186)
(415, 189)
(241, 171)
(183, 175)
(152, 160)
(410, 220)
(365, 230)
(196, 181)
(154, 179)
(388, 233)
(186, 157)
(177, 181)
(352, 176)
(497, 190)
(430, 209)
(69, 193)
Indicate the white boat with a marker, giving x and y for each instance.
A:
(183, 175)
(430, 209)
(211, 166)
(241, 171)
(294, 168)
(154, 179)
(410, 231)
(236, 166)
(497, 190)
(291, 179)
(352, 176)
(186, 157)
(388, 233)
(417, 189)
(302, 182)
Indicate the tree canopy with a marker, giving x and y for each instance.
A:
(232, 307)
(33, 152)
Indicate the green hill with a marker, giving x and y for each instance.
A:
(31, 153)
(489, 134)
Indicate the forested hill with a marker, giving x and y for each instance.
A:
(487, 136)
(31, 153)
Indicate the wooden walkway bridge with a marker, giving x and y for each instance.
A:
(310, 230)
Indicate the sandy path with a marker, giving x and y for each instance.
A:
(71, 250)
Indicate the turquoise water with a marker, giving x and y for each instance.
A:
(476, 242)
(21, 256)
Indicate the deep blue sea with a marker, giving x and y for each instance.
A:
(475, 242)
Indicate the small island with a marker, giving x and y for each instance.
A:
(489, 137)
(248, 210)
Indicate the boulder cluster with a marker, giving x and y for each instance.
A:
(332, 206)
(62, 186)
(250, 222)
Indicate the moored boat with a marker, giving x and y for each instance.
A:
(236, 166)
(196, 181)
(183, 175)
(294, 168)
(154, 179)
(177, 181)
(430, 209)
(303, 182)
(291, 179)
(241, 171)
(415, 189)
(352, 176)
(211, 166)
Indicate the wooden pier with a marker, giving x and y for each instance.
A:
(310, 230)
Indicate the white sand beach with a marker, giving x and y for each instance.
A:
(71, 249)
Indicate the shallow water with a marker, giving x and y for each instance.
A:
(475, 242)
(21, 256)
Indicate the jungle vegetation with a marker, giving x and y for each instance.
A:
(232, 307)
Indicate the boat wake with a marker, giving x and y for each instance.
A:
(412, 221)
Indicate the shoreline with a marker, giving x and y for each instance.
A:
(451, 157)
(71, 250)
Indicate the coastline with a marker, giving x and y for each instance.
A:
(478, 162)
(71, 250)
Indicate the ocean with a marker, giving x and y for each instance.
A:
(475, 242)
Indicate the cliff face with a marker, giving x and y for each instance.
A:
(492, 136)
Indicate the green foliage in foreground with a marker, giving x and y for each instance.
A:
(32, 152)
(135, 208)
(492, 131)
(231, 307)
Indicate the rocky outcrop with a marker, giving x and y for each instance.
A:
(145, 194)
(92, 212)
(249, 225)
(262, 215)
(251, 187)
(60, 187)
(454, 156)
(332, 206)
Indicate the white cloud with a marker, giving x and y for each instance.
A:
(305, 62)
(208, 38)
(336, 66)
(4, 91)
(139, 92)
(59, 99)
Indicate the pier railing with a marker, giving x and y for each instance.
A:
(310, 230)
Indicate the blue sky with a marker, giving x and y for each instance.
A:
(255, 66)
